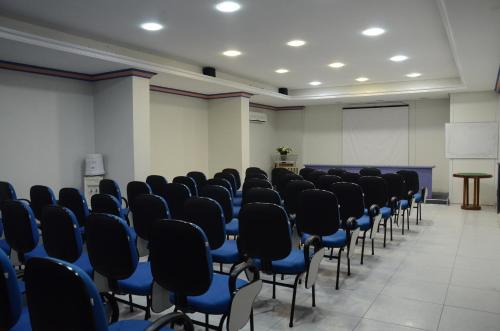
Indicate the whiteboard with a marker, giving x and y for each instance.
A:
(375, 136)
(472, 140)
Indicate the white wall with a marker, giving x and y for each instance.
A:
(179, 135)
(263, 141)
(46, 129)
(474, 107)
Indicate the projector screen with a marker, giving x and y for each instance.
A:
(375, 136)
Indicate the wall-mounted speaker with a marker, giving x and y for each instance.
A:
(209, 71)
(283, 90)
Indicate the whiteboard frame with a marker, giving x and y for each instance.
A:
(492, 155)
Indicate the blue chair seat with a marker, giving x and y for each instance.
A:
(38, 251)
(227, 253)
(236, 210)
(293, 264)
(239, 194)
(140, 283)
(132, 325)
(216, 300)
(4, 246)
(84, 263)
(385, 212)
(336, 240)
(364, 223)
(418, 197)
(233, 227)
(237, 201)
(22, 286)
(23, 324)
(403, 204)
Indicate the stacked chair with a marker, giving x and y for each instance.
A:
(419, 194)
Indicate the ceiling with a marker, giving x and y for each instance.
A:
(443, 39)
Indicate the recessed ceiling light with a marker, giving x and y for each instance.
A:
(414, 74)
(315, 83)
(296, 43)
(228, 6)
(336, 65)
(373, 32)
(282, 71)
(362, 79)
(151, 26)
(232, 53)
(399, 58)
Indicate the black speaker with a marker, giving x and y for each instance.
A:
(209, 71)
(283, 90)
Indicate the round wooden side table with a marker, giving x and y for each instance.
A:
(476, 176)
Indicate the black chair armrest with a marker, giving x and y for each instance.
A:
(176, 317)
(315, 241)
(393, 203)
(26, 200)
(351, 224)
(374, 210)
(410, 194)
(237, 271)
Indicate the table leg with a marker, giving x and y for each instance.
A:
(476, 193)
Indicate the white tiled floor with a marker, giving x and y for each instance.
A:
(442, 275)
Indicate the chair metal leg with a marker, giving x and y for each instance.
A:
(403, 223)
(147, 315)
(251, 320)
(363, 247)
(314, 295)
(206, 322)
(338, 268)
(408, 220)
(130, 301)
(348, 265)
(385, 231)
(274, 286)
(373, 246)
(390, 219)
(331, 253)
(293, 300)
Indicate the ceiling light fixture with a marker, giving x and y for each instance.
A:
(414, 74)
(373, 32)
(336, 65)
(232, 53)
(296, 43)
(228, 6)
(151, 26)
(399, 58)
(315, 83)
(362, 79)
(281, 71)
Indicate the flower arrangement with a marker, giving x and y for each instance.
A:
(283, 150)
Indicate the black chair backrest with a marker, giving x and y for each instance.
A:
(313, 176)
(350, 198)
(189, 269)
(236, 175)
(292, 191)
(375, 190)
(199, 177)
(370, 171)
(336, 171)
(220, 182)
(411, 180)
(208, 215)
(395, 185)
(305, 171)
(230, 178)
(106, 203)
(318, 213)
(285, 179)
(134, 189)
(21, 231)
(10, 296)
(7, 192)
(157, 184)
(61, 234)
(256, 175)
(223, 198)
(264, 233)
(255, 170)
(350, 177)
(177, 194)
(189, 182)
(260, 194)
(253, 183)
(276, 174)
(109, 186)
(73, 199)
(112, 251)
(148, 208)
(325, 182)
(41, 196)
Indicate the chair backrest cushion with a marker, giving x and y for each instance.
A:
(41, 196)
(158, 184)
(10, 297)
(350, 198)
(148, 208)
(318, 212)
(21, 231)
(134, 189)
(74, 200)
(189, 182)
(292, 191)
(208, 215)
(107, 204)
(222, 196)
(260, 194)
(177, 194)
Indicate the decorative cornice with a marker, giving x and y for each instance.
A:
(268, 107)
(74, 75)
(168, 90)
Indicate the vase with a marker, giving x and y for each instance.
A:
(283, 157)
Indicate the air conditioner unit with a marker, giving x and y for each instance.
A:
(256, 117)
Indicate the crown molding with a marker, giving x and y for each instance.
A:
(268, 107)
(169, 90)
(22, 67)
